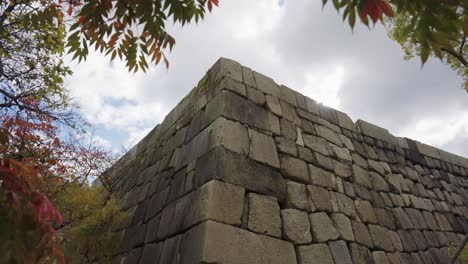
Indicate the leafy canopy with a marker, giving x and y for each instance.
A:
(134, 30)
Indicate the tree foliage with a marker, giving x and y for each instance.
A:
(134, 30)
(88, 233)
(423, 28)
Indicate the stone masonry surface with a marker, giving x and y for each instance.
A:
(244, 170)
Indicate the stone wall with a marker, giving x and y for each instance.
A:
(244, 170)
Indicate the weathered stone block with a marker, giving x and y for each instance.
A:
(234, 107)
(294, 169)
(266, 84)
(273, 105)
(296, 226)
(343, 225)
(340, 252)
(380, 237)
(322, 228)
(365, 211)
(317, 144)
(361, 234)
(360, 254)
(230, 167)
(286, 146)
(264, 215)
(209, 242)
(361, 176)
(319, 198)
(263, 148)
(380, 257)
(296, 196)
(322, 177)
(170, 250)
(256, 96)
(329, 135)
(313, 253)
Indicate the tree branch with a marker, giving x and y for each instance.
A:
(458, 56)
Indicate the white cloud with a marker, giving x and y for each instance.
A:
(297, 44)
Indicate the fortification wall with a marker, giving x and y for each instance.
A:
(244, 170)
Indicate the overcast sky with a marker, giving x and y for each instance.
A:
(298, 44)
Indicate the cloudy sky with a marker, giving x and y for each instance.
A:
(298, 44)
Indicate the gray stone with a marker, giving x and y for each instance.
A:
(227, 68)
(235, 107)
(365, 211)
(380, 257)
(288, 95)
(273, 105)
(380, 236)
(385, 217)
(233, 168)
(288, 129)
(375, 166)
(323, 161)
(329, 135)
(396, 241)
(360, 254)
(359, 160)
(317, 144)
(151, 253)
(340, 252)
(300, 139)
(378, 182)
(402, 220)
(286, 146)
(289, 113)
(248, 77)
(322, 228)
(255, 96)
(263, 149)
(322, 177)
(319, 198)
(343, 225)
(266, 84)
(296, 196)
(294, 168)
(361, 234)
(209, 242)
(296, 226)
(264, 215)
(311, 253)
(395, 258)
(342, 170)
(345, 205)
(170, 250)
(416, 217)
(342, 154)
(361, 176)
(407, 241)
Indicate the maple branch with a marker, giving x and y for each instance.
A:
(458, 56)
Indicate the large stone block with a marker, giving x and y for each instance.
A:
(297, 196)
(312, 253)
(233, 106)
(343, 225)
(322, 228)
(230, 167)
(263, 148)
(340, 252)
(322, 177)
(294, 169)
(296, 226)
(266, 84)
(319, 198)
(264, 215)
(212, 242)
